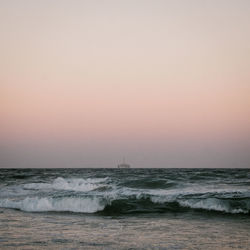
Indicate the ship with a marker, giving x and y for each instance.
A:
(123, 164)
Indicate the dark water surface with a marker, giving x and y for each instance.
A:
(125, 208)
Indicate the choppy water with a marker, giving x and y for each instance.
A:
(125, 208)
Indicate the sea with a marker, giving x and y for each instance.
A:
(124, 208)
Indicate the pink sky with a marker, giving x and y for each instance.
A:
(105, 75)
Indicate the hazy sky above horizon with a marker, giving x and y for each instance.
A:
(163, 83)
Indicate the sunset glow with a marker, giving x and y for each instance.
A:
(110, 75)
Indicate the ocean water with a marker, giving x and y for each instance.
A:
(125, 209)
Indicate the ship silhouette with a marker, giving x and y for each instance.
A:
(123, 164)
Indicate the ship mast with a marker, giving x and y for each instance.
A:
(123, 164)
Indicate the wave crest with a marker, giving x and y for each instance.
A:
(126, 205)
(77, 184)
(36, 204)
(107, 196)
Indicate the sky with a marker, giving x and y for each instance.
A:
(161, 83)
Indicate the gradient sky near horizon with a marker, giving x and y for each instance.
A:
(163, 83)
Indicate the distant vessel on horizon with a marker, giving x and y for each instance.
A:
(123, 164)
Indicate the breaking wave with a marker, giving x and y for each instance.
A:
(126, 205)
(130, 195)
(35, 204)
(213, 204)
(77, 184)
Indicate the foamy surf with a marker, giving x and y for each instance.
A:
(213, 204)
(73, 184)
(36, 204)
(100, 208)
(125, 204)
(136, 191)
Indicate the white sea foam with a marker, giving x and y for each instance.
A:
(212, 204)
(162, 199)
(77, 184)
(36, 197)
(36, 204)
(164, 195)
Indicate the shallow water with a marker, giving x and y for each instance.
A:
(125, 209)
(78, 231)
